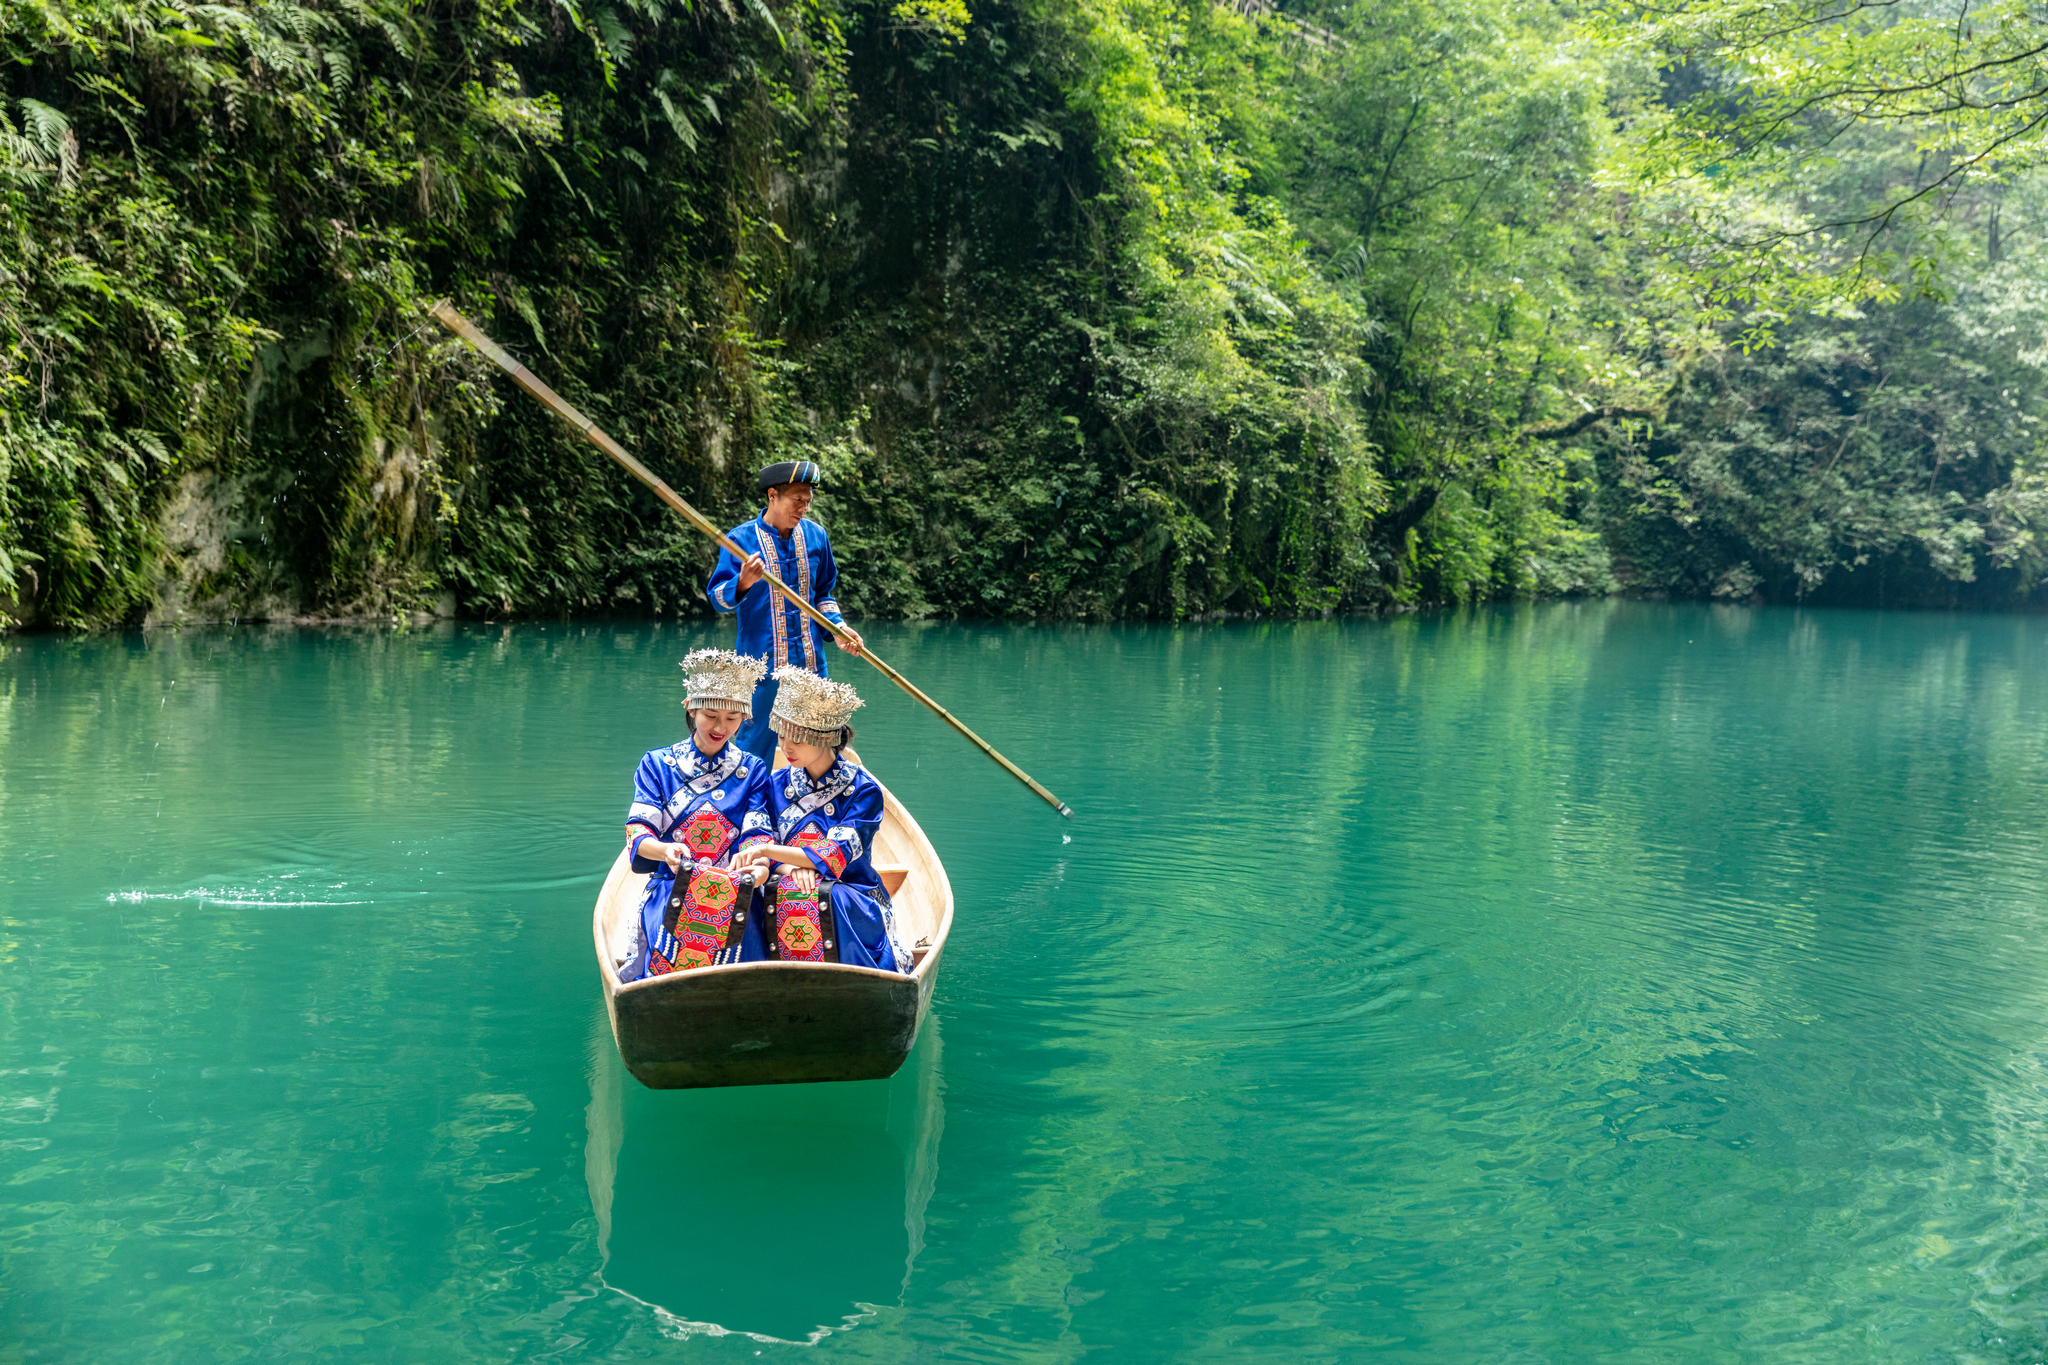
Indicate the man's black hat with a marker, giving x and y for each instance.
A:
(789, 471)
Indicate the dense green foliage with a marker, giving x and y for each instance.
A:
(1091, 308)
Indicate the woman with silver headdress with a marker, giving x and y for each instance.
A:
(699, 812)
(829, 905)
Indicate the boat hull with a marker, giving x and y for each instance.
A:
(768, 1023)
(780, 1023)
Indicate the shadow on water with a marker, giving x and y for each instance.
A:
(701, 1205)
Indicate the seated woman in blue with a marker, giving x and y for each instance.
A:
(829, 906)
(700, 808)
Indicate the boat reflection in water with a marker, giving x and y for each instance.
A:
(784, 1212)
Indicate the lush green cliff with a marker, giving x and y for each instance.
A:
(1090, 309)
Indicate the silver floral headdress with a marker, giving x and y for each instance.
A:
(721, 678)
(810, 709)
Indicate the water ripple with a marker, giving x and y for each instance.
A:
(1602, 981)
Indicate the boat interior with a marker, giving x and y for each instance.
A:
(903, 858)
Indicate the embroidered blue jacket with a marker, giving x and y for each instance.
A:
(776, 631)
(834, 820)
(673, 785)
(713, 806)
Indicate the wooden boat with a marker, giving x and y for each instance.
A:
(773, 1023)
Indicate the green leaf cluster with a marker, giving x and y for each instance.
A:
(1090, 308)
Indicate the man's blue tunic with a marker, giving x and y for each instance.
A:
(774, 631)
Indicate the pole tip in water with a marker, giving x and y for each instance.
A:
(1065, 811)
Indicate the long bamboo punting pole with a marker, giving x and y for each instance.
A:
(525, 378)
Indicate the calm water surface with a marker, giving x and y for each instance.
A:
(1606, 982)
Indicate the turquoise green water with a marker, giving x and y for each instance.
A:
(1609, 982)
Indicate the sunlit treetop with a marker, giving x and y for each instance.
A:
(1821, 154)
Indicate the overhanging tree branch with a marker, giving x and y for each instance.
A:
(1564, 431)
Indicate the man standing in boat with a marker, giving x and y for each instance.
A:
(771, 629)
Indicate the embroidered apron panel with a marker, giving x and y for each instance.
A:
(835, 858)
(707, 834)
(800, 923)
(701, 924)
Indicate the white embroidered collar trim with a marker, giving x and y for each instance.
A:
(701, 774)
(807, 794)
